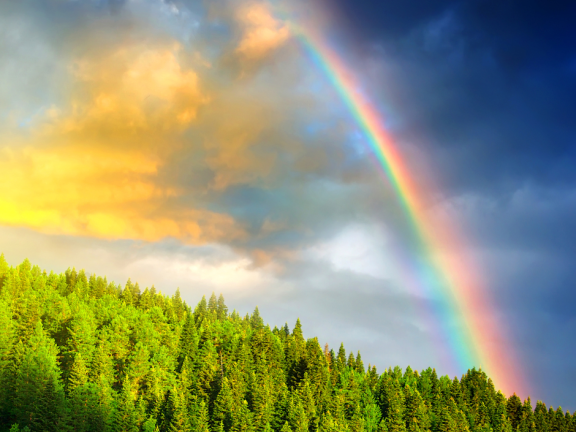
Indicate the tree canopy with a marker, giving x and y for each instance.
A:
(81, 354)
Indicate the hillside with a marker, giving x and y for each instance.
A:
(79, 353)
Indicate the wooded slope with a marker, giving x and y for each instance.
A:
(78, 353)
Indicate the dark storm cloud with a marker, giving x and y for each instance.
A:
(488, 88)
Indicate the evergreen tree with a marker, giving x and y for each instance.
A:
(7, 339)
(200, 311)
(224, 406)
(359, 364)
(514, 410)
(206, 371)
(178, 412)
(557, 420)
(78, 374)
(38, 389)
(125, 415)
(541, 417)
(395, 411)
(138, 367)
(222, 309)
(298, 336)
(4, 267)
(188, 344)
(297, 415)
(341, 358)
(446, 422)
(128, 294)
(50, 409)
(201, 419)
(86, 410)
(351, 361)
(256, 321)
(213, 304)
(416, 413)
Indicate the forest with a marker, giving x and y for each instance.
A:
(78, 353)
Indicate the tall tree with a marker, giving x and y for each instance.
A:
(514, 410)
(125, 419)
(38, 390)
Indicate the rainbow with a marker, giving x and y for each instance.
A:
(478, 341)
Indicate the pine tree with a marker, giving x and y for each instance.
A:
(242, 421)
(341, 358)
(188, 344)
(86, 409)
(571, 427)
(298, 335)
(78, 374)
(446, 423)
(200, 311)
(207, 368)
(558, 420)
(359, 363)
(149, 425)
(224, 406)
(527, 421)
(351, 362)
(382, 427)
(50, 409)
(125, 415)
(256, 321)
(541, 417)
(128, 294)
(395, 411)
(297, 415)
(456, 391)
(30, 312)
(458, 417)
(497, 413)
(329, 424)
(146, 302)
(372, 417)
(416, 413)
(7, 340)
(38, 388)
(222, 309)
(514, 410)
(262, 406)
(3, 269)
(200, 421)
(177, 409)
(138, 366)
(102, 366)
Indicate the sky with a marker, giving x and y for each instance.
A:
(198, 144)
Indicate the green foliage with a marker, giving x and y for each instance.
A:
(80, 354)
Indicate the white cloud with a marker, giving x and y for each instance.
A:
(363, 249)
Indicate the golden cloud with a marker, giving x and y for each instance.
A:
(262, 32)
(131, 90)
(145, 134)
(90, 167)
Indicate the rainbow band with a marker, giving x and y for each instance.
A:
(479, 342)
